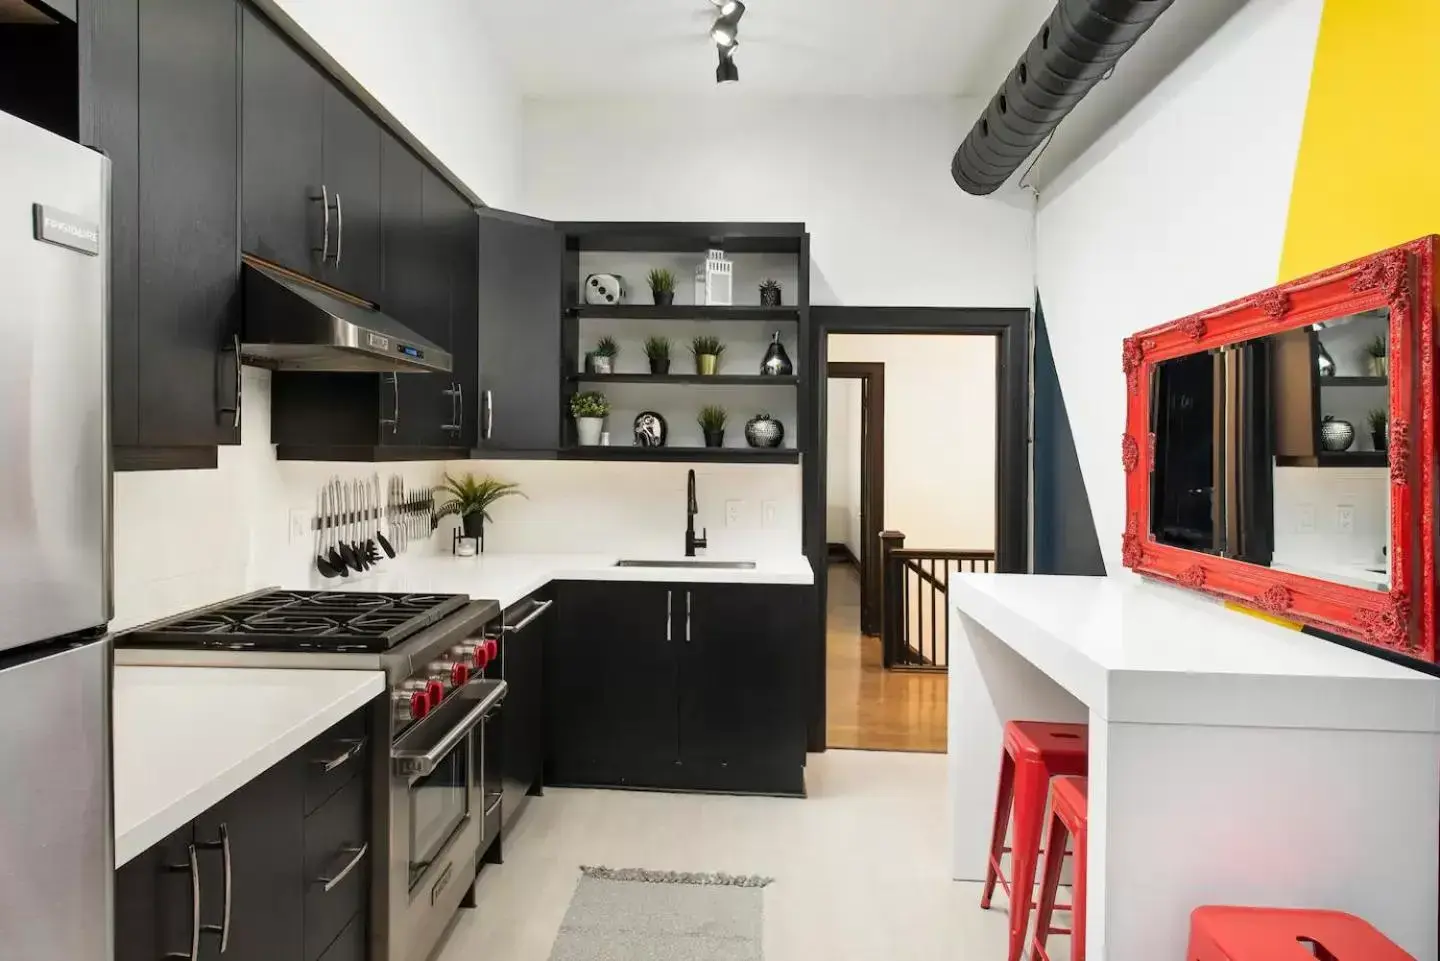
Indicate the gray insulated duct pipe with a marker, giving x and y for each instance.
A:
(1078, 44)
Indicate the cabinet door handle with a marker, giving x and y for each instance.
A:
(324, 199)
(687, 617)
(459, 408)
(356, 745)
(489, 414)
(193, 866)
(239, 387)
(669, 620)
(339, 227)
(393, 422)
(525, 621)
(222, 929)
(353, 857)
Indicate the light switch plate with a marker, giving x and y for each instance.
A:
(299, 524)
(1345, 518)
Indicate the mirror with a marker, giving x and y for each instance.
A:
(1272, 451)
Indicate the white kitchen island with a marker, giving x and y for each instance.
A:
(1232, 761)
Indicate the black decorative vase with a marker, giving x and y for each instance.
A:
(659, 366)
(769, 296)
(473, 525)
(1380, 439)
(762, 430)
(715, 438)
(776, 362)
(650, 429)
(663, 298)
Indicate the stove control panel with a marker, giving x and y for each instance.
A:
(411, 702)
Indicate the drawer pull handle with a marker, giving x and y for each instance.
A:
(329, 764)
(193, 867)
(354, 855)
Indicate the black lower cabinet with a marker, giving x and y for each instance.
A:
(677, 686)
(523, 722)
(275, 906)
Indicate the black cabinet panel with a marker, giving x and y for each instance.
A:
(189, 245)
(524, 719)
(519, 264)
(263, 824)
(281, 162)
(610, 679)
(352, 175)
(463, 244)
(153, 899)
(334, 836)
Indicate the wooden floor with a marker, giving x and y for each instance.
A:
(867, 706)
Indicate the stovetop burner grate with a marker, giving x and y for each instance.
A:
(329, 621)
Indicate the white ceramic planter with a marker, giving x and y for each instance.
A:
(589, 430)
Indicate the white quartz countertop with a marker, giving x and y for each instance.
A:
(508, 578)
(188, 737)
(1143, 652)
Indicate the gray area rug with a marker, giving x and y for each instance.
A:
(631, 914)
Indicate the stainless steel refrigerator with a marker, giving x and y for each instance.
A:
(56, 837)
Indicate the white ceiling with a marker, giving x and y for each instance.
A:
(574, 48)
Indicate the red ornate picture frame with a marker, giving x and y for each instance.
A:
(1400, 621)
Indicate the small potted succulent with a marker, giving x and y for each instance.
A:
(707, 350)
(601, 360)
(471, 500)
(657, 351)
(589, 409)
(1379, 419)
(662, 286)
(1378, 350)
(770, 293)
(712, 425)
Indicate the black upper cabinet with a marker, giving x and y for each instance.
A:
(519, 263)
(189, 297)
(281, 163)
(352, 178)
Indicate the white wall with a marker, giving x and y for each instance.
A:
(871, 179)
(437, 71)
(940, 427)
(1181, 206)
(842, 463)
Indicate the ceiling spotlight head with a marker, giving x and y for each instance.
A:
(722, 31)
(731, 9)
(725, 70)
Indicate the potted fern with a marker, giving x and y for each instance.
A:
(662, 286)
(602, 359)
(657, 350)
(707, 350)
(589, 409)
(1378, 350)
(1379, 420)
(471, 500)
(770, 293)
(712, 425)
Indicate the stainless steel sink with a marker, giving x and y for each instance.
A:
(709, 565)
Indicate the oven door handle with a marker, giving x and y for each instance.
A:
(422, 763)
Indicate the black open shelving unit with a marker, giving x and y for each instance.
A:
(688, 312)
(1354, 381)
(1334, 458)
(699, 455)
(755, 380)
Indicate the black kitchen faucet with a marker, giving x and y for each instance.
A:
(691, 509)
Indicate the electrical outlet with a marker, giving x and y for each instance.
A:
(767, 514)
(299, 524)
(1345, 518)
(732, 513)
(1306, 522)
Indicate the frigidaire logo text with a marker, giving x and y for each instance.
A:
(74, 230)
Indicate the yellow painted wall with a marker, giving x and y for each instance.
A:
(1368, 173)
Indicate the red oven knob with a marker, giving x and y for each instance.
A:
(435, 692)
(492, 649)
(419, 705)
(459, 674)
(481, 658)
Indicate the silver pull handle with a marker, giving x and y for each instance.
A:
(324, 199)
(393, 422)
(669, 620)
(453, 392)
(239, 386)
(193, 866)
(356, 746)
(687, 617)
(339, 228)
(540, 608)
(353, 857)
(223, 928)
(459, 408)
(424, 763)
(489, 414)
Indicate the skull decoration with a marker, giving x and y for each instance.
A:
(650, 429)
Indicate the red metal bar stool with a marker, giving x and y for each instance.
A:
(1068, 816)
(1035, 751)
(1221, 933)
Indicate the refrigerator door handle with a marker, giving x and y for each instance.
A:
(193, 866)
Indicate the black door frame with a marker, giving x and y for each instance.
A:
(1011, 328)
(872, 472)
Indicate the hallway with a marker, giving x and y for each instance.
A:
(866, 706)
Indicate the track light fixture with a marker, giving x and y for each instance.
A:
(725, 70)
(731, 10)
(722, 31)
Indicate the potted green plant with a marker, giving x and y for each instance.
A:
(1378, 350)
(712, 425)
(471, 500)
(707, 350)
(601, 360)
(770, 293)
(1379, 420)
(589, 409)
(657, 350)
(662, 286)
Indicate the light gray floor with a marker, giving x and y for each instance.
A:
(860, 866)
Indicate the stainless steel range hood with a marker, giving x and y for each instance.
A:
(295, 324)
